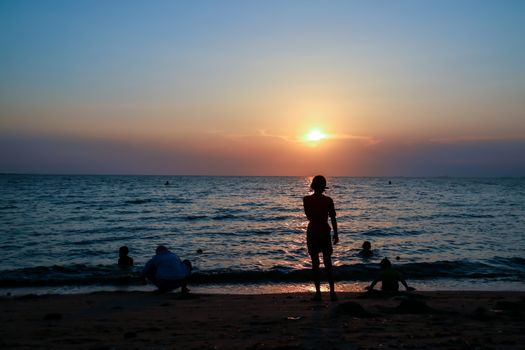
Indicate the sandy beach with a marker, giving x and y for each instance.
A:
(140, 320)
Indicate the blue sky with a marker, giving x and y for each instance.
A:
(190, 82)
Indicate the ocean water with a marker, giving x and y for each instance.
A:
(65, 231)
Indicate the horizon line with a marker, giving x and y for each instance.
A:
(202, 175)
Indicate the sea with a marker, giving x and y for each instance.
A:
(61, 233)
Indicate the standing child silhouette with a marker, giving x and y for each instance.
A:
(318, 208)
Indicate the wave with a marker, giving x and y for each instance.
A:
(390, 231)
(512, 269)
(226, 217)
(195, 217)
(139, 201)
(236, 217)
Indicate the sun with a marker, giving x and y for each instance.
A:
(315, 135)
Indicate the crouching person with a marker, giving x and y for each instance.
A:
(166, 271)
(389, 279)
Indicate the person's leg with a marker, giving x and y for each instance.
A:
(327, 261)
(184, 283)
(184, 286)
(162, 286)
(316, 275)
(188, 265)
(157, 283)
(151, 276)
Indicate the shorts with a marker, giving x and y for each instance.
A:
(319, 243)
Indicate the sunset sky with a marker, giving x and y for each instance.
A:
(412, 88)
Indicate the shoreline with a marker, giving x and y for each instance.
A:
(438, 285)
(145, 320)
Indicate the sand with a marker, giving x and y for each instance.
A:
(141, 320)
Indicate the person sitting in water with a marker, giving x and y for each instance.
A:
(166, 271)
(124, 260)
(367, 250)
(389, 278)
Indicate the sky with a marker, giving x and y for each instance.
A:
(341, 88)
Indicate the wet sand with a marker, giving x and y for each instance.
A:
(141, 320)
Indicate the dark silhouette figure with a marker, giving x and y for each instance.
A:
(167, 183)
(366, 252)
(389, 278)
(166, 271)
(124, 260)
(318, 208)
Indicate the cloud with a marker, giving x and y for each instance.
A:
(334, 137)
(474, 158)
(261, 154)
(366, 139)
(472, 139)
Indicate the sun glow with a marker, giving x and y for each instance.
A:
(315, 135)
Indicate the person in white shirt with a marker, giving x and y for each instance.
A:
(166, 271)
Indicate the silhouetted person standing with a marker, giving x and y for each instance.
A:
(318, 208)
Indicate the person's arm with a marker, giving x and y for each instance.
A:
(336, 233)
(372, 285)
(147, 270)
(331, 212)
(306, 208)
(404, 283)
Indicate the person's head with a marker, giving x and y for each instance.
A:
(161, 249)
(123, 251)
(188, 264)
(385, 264)
(367, 245)
(318, 183)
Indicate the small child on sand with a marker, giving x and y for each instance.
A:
(389, 278)
(124, 260)
(367, 250)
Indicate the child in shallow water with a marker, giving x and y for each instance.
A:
(124, 260)
(367, 250)
(389, 278)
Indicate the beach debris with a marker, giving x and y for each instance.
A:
(294, 318)
(482, 314)
(509, 308)
(53, 316)
(413, 306)
(128, 335)
(29, 297)
(351, 308)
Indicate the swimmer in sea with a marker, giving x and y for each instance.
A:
(367, 250)
(124, 259)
